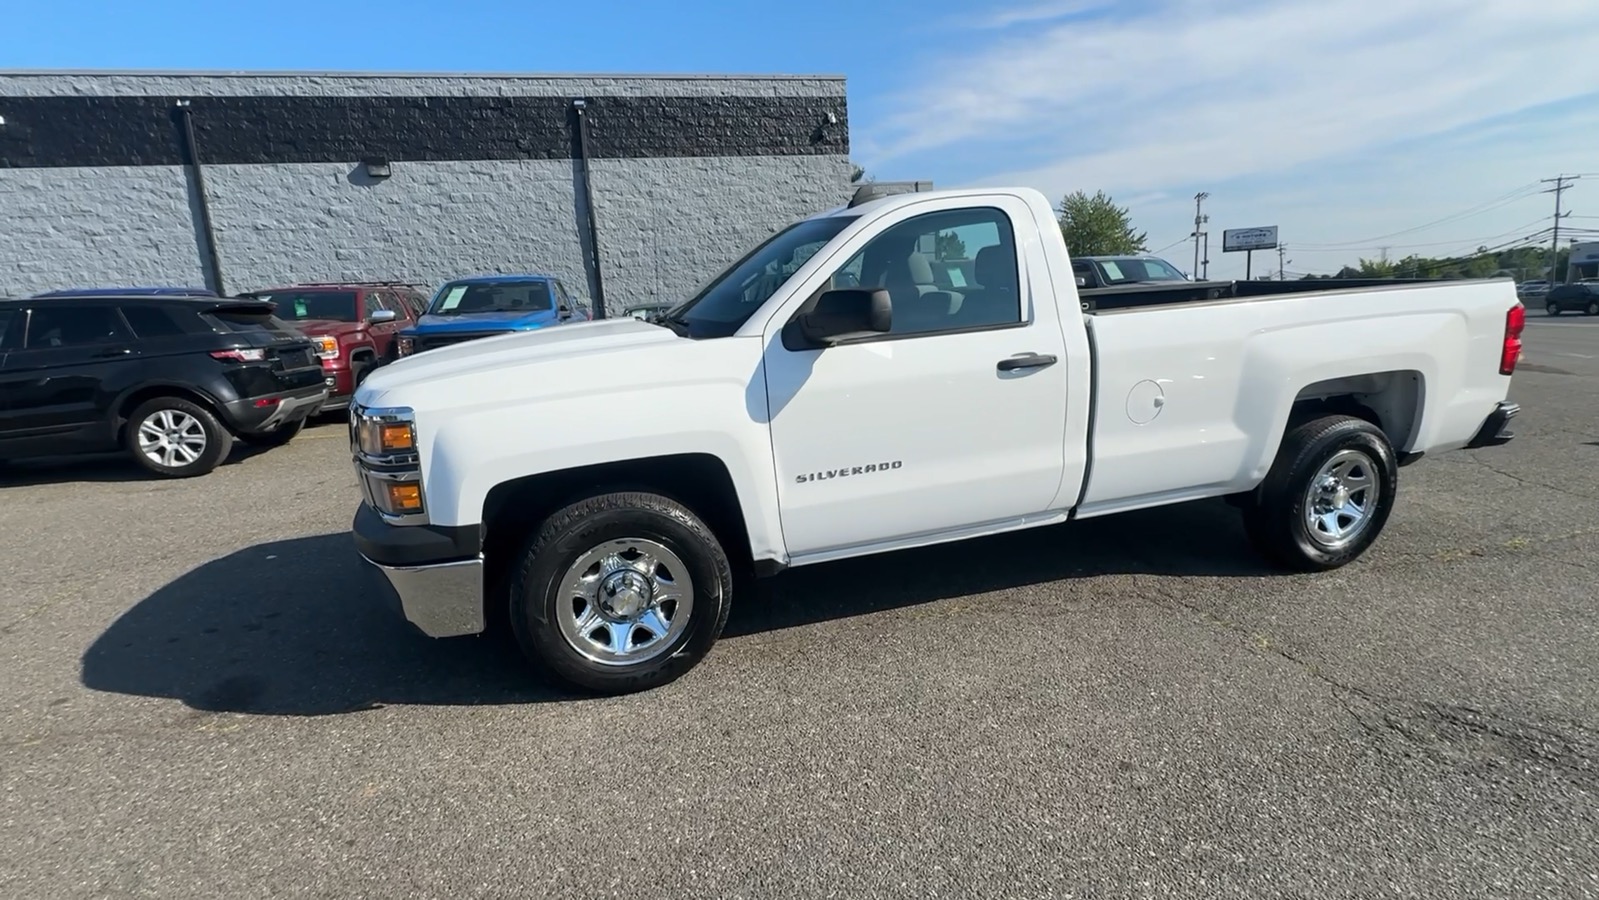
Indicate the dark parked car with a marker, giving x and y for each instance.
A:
(132, 291)
(352, 326)
(1580, 297)
(1115, 271)
(170, 380)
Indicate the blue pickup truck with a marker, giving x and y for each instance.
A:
(485, 305)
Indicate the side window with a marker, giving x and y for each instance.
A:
(974, 254)
(7, 316)
(151, 321)
(74, 326)
(373, 303)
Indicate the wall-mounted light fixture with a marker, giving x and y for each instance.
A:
(376, 167)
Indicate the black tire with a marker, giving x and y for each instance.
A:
(1276, 519)
(565, 538)
(218, 441)
(277, 437)
(1593, 307)
(1552, 309)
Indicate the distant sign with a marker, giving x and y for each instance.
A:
(1234, 240)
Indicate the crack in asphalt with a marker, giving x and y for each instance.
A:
(1530, 482)
(1470, 738)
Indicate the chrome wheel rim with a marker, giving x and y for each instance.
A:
(171, 438)
(625, 601)
(1341, 499)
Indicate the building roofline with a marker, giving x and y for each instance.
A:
(325, 73)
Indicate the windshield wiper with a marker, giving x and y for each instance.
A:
(678, 324)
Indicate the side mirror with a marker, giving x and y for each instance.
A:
(379, 316)
(1081, 281)
(846, 313)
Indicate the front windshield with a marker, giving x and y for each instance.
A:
(1133, 269)
(728, 302)
(461, 298)
(306, 306)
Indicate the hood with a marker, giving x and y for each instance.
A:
(574, 343)
(323, 326)
(486, 320)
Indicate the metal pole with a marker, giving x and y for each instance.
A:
(1249, 264)
(191, 148)
(580, 107)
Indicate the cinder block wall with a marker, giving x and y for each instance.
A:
(686, 173)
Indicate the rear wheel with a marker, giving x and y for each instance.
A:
(1593, 307)
(620, 592)
(176, 438)
(1328, 495)
(1552, 309)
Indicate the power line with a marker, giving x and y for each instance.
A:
(1451, 243)
(1522, 192)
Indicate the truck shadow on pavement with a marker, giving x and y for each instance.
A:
(98, 468)
(302, 626)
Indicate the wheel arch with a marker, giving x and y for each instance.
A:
(1393, 400)
(129, 400)
(700, 481)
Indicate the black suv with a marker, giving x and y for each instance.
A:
(171, 380)
(1582, 297)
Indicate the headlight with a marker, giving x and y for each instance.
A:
(326, 346)
(384, 434)
(407, 345)
(383, 442)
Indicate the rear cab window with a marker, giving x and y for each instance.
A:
(7, 317)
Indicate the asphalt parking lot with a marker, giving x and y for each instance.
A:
(203, 698)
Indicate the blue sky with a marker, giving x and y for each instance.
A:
(1350, 124)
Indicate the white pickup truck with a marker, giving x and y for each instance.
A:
(901, 371)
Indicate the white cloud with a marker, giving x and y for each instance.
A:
(1184, 92)
(1041, 12)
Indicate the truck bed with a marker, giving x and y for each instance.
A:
(1138, 296)
(1191, 395)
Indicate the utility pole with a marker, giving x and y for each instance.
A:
(1281, 249)
(1199, 222)
(1560, 187)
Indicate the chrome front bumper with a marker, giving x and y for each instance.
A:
(441, 599)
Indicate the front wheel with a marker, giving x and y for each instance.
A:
(1327, 496)
(1552, 309)
(1593, 307)
(621, 592)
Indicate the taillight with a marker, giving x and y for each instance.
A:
(239, 355)
(1510, 352)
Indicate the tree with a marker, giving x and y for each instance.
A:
(948, 245)
(858, 174)
(1094, 226)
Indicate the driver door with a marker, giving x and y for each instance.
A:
(926, 429)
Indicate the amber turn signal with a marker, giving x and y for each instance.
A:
(405, 497)
(395, 437)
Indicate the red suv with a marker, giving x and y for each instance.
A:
(352, 325)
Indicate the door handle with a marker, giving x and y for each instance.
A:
(115, 351)
(1026, 361)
